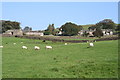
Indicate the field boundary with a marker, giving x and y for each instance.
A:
(62, 40)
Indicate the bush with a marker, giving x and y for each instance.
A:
(98, 33)
(24, 34)
(46, 33)
(85, 34)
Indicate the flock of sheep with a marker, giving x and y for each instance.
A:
(37, 48)
(50, 47)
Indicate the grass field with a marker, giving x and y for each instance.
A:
(74, 60)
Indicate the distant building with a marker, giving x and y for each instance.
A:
(86, 31)
(107, 31)
(14, 32)
(60, 32)
(104, 31)
(35, 33)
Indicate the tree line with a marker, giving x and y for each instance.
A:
(71, 29)
(68, 29)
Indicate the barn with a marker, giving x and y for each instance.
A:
(14, 32)
(35, 33)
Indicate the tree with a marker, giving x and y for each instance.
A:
(92, 27)
(27, 29)
(85, 34)
(46, 33)
(50, 29)
(98, 33)
(106, 24)
(7, 25)
(118, 27)
(70, 29)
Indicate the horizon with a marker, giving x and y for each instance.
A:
(39, 15)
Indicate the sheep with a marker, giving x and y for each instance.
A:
(36, 48)
(94, 41)
(87, 41)
(65, 43)
(21, 42)
(91, 44)
(48, 47)
(14, 43)
(24, 47)
(1, 46)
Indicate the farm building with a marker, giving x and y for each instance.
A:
(87, 31)
(14, 32)
(36, 33)
(105, 32)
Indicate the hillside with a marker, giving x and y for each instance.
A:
(86, 26)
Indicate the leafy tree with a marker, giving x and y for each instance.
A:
(85, 34)
(50, 29)
(92, 27)
(118, 27)
(70, 29)
(7, 25)
(106, 24)
(46, 33)
(98, 33)
(27, 29)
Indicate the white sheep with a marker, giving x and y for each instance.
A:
(48, 47)
(65, 43)
(21, 42)
(91, 44)
(94, 40)
(1, 46)
(24, 47)
(36, 48)
(87, 41)
(14, 43)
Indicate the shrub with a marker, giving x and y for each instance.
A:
(85, 34)
(46, 33)
(98, 33)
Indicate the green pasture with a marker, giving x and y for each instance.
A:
(74, 60)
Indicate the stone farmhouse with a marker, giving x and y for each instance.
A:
(20, 32)
(104, 31)
(35, 33)
(107, 32)
(14, 32)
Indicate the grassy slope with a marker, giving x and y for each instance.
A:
(71, 61)
(86, 26)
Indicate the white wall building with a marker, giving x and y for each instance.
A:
(36, 33)
(14, 32)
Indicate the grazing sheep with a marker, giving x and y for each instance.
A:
(14, 43)
(65, 43)
(24, 47)
(1, 46)
(87, 41)
(94, 41)
(48, 47)
(36, 48)
(91, 44)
